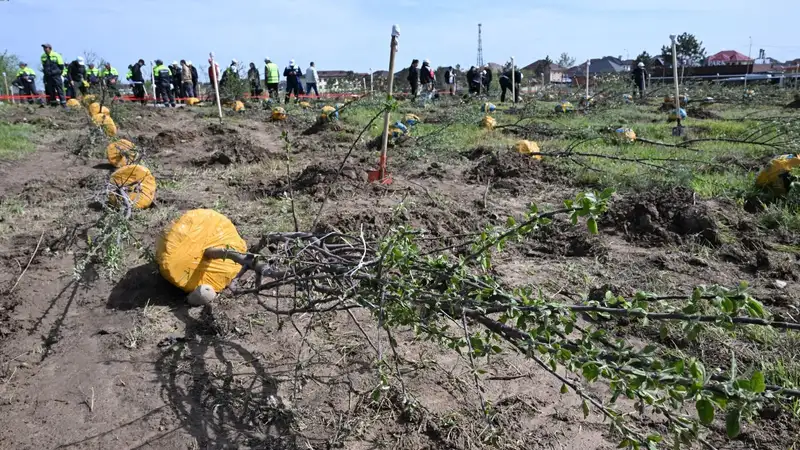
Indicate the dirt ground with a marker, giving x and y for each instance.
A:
(125, 363)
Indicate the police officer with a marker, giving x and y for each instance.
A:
(272, 78)
(137, 80)
(53, 68)
(110, 77)
(163, 78)
(26, 81)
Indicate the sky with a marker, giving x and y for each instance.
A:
(355, 34)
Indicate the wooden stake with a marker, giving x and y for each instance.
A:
(675, 79)
(216, 83)
(385, 143)
(5, 80)
(513, 82)
(153, 82)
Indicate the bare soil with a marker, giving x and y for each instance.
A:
(125, 363)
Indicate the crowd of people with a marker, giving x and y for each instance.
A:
(172, 83)
(180, 80)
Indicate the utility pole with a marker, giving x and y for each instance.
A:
(480, 47)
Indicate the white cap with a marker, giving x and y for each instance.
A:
(233, 61)
(266, 59)
(189, 62)
(80, 60)
(174, 63)
(291, 62)
(641, 64)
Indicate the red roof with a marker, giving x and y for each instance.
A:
(728, 56)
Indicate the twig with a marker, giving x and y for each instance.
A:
(289, 180)
(472, 366)
(33, 255)
(358, 325)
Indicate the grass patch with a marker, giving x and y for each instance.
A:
(15, 140)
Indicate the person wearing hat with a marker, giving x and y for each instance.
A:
(228, 84)
(272, 78)
(26, 81)
(639, 75)
(110, 77)
(53, 68)
(77, 78)
(292, 73)
(186, 79)
(486, 79)
(93, 75)
(163, 77)
(136, 78)
(177, 86)
(427, 78)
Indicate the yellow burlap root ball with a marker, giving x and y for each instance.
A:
(238, 106)
(191, 101)
(528, 148)
(73, 103)
(775, 176)
(88, 99)
(121, 153)
(94, 108)
(278, 113)
(137, 182)
(305, 105)
(180, 251)
(488, 122)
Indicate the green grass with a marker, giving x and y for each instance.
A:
(15, 140)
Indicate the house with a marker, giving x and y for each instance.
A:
(600, 66)
(553, 73)
(728, 57)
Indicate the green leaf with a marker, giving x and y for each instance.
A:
(585, 407)
(591, 371)
(705, 410)
(663, 332)
(654, 438)
(757, 383)
(592, 224)
(564, 389)
(733, 422)
(694, 332)
(698, 371)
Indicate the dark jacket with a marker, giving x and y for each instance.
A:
(194, 75)
(487, 79)
(505, 78)
(292, 75)
(76, 72)
(639, 74)
(426, 74)
(136, 73)
(176, 75)
(413, 75)
(254, 77)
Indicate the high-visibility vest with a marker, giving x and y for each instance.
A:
(273, 75)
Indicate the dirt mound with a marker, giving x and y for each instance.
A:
(701, 113)
(663, 217)
(511, 171)
(313, 180)
(233, 148)
(564, 239)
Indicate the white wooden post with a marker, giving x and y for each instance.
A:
(675, 79)
(216, 83)
(5, 80)
(588, 62)
(513, 83)
(386, 118)
(153, 82)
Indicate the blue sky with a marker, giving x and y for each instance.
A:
(354, 34)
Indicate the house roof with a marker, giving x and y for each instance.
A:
(606, 64)
(553, 66)
(728, 56)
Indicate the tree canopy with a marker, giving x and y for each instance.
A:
(690, 50)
